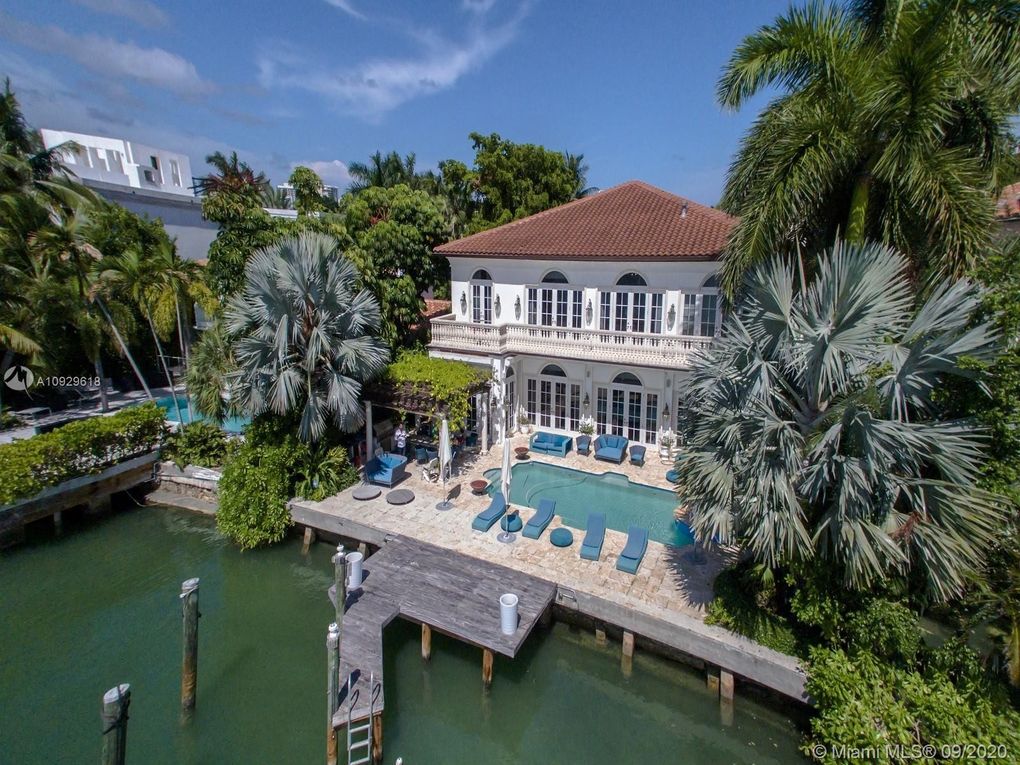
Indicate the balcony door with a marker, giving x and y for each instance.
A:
(553, 401)
(628, 308)
(481, 297)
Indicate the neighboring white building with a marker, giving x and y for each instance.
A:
(151, 182)
(330, 192)
(588, 310)
(124, 163)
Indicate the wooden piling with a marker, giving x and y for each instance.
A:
(363, 549)
(726, 685)
(426, 642)
(628, 644)
(58, 522)
(712, 679)
(377, 738)
(115, 716)
(487, 660)
(332, 690)
(189, 661)
(340, 583)
(308, 541)
(600, 636)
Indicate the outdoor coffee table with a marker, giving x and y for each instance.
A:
(521, 452)
(400, 496)
(479, 485)
(366, 491)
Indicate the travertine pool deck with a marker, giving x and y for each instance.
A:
(664, 601)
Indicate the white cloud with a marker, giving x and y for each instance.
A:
(478, 6)
(139, 11)
(106, 56)
(332, 171)
(347, 7)
(380, 85)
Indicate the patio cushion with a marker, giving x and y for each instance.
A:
(561, 537)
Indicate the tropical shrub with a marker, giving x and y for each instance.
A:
(197, 443)
(78, 448)
(305, 336)
(256, 484)
(743, 604)
(812, 430)
(325, 472)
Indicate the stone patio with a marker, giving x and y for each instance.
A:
(669, 581)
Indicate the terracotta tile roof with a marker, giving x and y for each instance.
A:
(633, 220)
(435, 308)
(1008, 205)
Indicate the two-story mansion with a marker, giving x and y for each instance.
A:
(587, 310)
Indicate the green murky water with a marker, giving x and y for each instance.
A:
(99, 606)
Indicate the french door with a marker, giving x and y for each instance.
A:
(625, 311)
(627, 411)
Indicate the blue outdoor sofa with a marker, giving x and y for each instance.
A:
(634, 550)
(550, 443)
(496, 509)
(543, 517)
(386, 469)
(611, 448)
(591, 547)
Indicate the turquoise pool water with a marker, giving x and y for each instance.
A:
(231, 424)
(577, 493)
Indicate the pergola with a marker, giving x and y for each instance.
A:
(418, 398)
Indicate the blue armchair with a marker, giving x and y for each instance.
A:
(386, 469)
(610, 448)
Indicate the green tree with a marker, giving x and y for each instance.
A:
(891, 125)
(394, 231)
(305, 336)
(211, 373)
(810, 429)
(308, 197)
(386, 171)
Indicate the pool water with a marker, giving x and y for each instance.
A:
(577, 494)
(230, 424)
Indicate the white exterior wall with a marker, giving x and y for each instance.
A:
(124, 163)
(511, 277)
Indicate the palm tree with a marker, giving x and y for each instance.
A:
(387, 171)
(176, 281)
(305, 338)
(892, 125)
(211, 373)
(274, 198)
(231, 175)
(578, 168)
(809, 430)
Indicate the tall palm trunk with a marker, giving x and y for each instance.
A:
(166, 369)
(181, 332)
(104, 404)
(856, 225)
(124, 348)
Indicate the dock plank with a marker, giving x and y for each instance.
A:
(454, 594)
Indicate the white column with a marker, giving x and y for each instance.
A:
(369, 440)
(485, 421)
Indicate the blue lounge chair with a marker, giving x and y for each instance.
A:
(543, 517)
(584, 445)
(496, 509)
(386, 469)
(634, 550)
(637, 455)
(591, 547)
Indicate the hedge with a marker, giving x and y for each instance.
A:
(79, 448)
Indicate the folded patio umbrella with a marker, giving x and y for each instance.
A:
(504, 473)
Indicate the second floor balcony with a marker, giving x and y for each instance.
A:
(649, 350)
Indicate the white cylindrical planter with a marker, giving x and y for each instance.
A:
(354, 561)
(508, 613)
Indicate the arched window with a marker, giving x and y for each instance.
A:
(510, 372)
(481, 297)
(553, 371)
(631, 279)
(554, 277)
(626, 378)
(712, 281)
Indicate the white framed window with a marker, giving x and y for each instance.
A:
(481, 297)
(700, 314)
(555, 306)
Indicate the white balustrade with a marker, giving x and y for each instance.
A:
(669, 351)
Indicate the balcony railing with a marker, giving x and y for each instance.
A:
(669, 351)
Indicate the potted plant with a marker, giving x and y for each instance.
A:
(524, 423)
(666, 446)
(587, 427)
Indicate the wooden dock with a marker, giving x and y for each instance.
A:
(442, 590)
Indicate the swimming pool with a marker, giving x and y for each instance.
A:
(230, 424)
(577, 493)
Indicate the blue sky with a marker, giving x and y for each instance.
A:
(324, 82)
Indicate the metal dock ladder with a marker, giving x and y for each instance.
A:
(359, 737)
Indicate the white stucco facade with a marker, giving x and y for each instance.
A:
(568, 341)
(124, 163)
